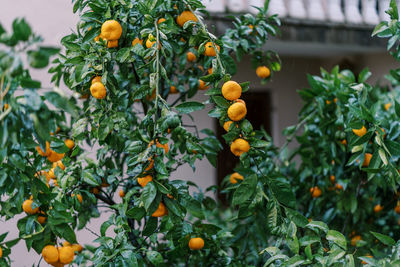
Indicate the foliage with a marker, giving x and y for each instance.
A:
(140, 128)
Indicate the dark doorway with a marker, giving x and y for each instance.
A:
(258, 113)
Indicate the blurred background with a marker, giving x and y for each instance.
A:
(314, 34)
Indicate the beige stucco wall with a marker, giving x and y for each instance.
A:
(54, 19)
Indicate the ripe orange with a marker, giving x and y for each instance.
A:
(112, 43)
(332, 178)
(315, 192)
(263, 72)
(111, 30)
(161, 211)
(343, 142)
(227, 125)
(150, 43)
(185, 17)
(210, 51)
(96, 79)
(328, 102)
(191, 57)
(143, 181)
(339, 187)
(78, 196)
(122, 193)
(1, 252)
(231, 90)
(367, 159)
(137, 41)
(237, 111)
(355, 239)
(387, 106)
(378, 208)
(397, 209)
(69, 143)
(66, 244)
(54, 156)
(196, 243)
(173, 90)
(41, 152)
(360, 132)
(77, 248)
(66, 255)
(161, 20)
(41, 219)
(240, 146)
(27, 207)
(98, 90)
(202, 85)
(235, 177)
(6, 106)
(210, 71)
(151, 165)
(58, 164)
(50, 254)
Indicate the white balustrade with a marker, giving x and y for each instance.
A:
(352, 11)
(277, 7)
(255, 3)
(334, 11)
(383, 6)
(369, 12)
(297, 9)
(237, 5)
(214, 6)
(315, 10)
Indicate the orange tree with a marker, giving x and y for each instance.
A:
(135, 65)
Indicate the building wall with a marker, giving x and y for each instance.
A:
(53, 19)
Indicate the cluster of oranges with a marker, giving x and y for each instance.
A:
(237, 111)
(97, 89)
(60, 256)
(111, 31)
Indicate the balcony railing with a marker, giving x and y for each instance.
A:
(361, 12)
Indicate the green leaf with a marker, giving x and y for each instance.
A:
(61, 102)
(296, 217)
(387, 240)
(189, 107)
(282, 191)
(21, 30)
(27, 82)
(245, 190)
(89, 177)
(148, 195)
(337, 238)
(313, 225)
(155, 257)
(136, 213)
(397, 108)
(220, 101)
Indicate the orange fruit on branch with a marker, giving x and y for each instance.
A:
(191, 57)
(360, 132)
(185, 17)
(239, 146)
(143, 181)
(137, 41)
(161, 211)
(66, 255)
(27, 207)
(69, 143)
(111, 30)
(210, 51)
(367, 159)
(237, 111)
(263, 72)
(98, 90)
(231, 90)
(235, 177)
(196, 243)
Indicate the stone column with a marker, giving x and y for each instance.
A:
(237, 5)
(297, 9)
(277, 7)
(214, 6)
(315, 10)
(383, 6)
(352, 11)
(334, 10)
(369, 12)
